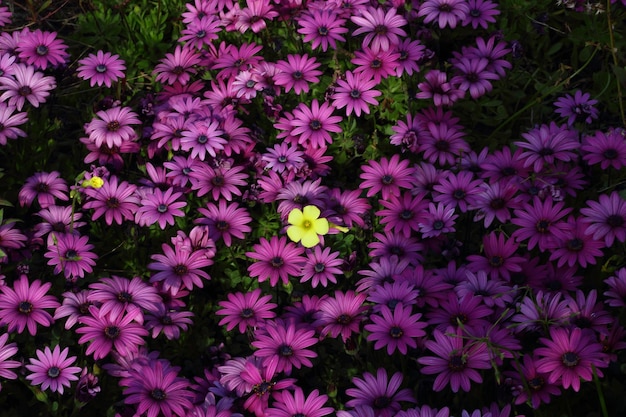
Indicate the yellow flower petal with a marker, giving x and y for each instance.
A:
(310, 239)
(295, 217)
(294, 233)
(321, 226)
(311, 213)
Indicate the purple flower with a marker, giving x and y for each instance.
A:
(71, 254)
(607, 218)
(118, 295)
(22, 306)
(287, 404)
(276, 259)
(607, 149)
(375, 64)
(379, 393)
(396, 330)
(9, 120)
(547, 144)
(283, 345)
(481, 13)
(101, 68)
(438, 220)
(498, 258)
(540, 223)
(75, 305)
(225, 221)
(45, 187)
(467, 311)
(179, 268)
(577, 247)
(170, 322)
(568, 356)
(160, 207)
(41, 48)
(580, 107)
(261, 380)
(355, 93)
(52, 369)
(313, 125)
(402, 214)
(383, 29)
(386, 176)
(202, 137)
(456, 362)
(245, 310)
(444, 12)
(113, 127)
(341, 314)
(297, 72)
(6, 351)
(539, 311)
(473, 76)
(177, 67)
(457, 190)
(322, 27)
(253, 16)
(616, 295)
(532, 385)
(221, 182)
(437, 87)
(117, 202)
(321, 266)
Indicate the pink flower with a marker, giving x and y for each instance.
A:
(52, 369)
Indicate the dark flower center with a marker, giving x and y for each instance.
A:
(497, 203)
(42, 187)
(42, 50)
(58, 227)
(496, 261)
(218, 180)
(610, 154)
(406, 214)
(282, 159)
(442, 145)
(322, 31)
(376, 63)
(575, 245)
(615, 220)
(124, 297)
(459, 318)
(285, 350)
(546, 152)
(112, 202)
(396, 250)
(250, 83)
(475, 13)
(72, 255)
(112, 332)
(355, 93)
(380, 30)
(200, 34)
(395, 332)
(542, 226)
(456, 363)
(180, 269)
(262, 388)
(54, 371)
(158, 394)
(458, 194)
(25, 307)
(381, 403)
(113, 126)
(472, 77)
(202, 139)
(297, 75)
(167, 320)
(344, 319)
(162, 208)
(101, 68)
(319, 267)
(246, 313)
(570, 359)
(508, 171)
(24, 91)
(438, 225)
(387, 179)
(84, 308)
(583, 322)
(277, 262)
(222, 225)
(178, 69)
(315, 125)
(536, 383)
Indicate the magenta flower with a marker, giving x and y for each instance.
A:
(25, 84)
(179, 268)
(157, 389)
(438, 220)
(276, 259)
(355, 93)
(321, 267)
(41, 49)
(9, 120)
(117, 202)
(578, 246)
(397, 329)
(52, 369)
(467, 311)
(606, 149)
(282, 345)
(379, 393)
(177, 67)
(287, 404)
(579, 107)
(322, 27)
(386, 176)
(202, 137)
(534, 386)
(538, 312)
(6, 351)
(101, 68)
(457, 360)
(262, 381)
(540, 222)
(437, 87)
(341, 314)
(546, 144)
(45, 187)
(232, 59)
(383, 29)
(71, 254)
(473, 76)
(297, 72)
(402, 214)
(607, 218)
(253, 16)
(444, 12)
(481, 13)
(160, 207)
(494, 201)
(74, 306)
(107, 333)
(568, 356)
(245, 310)
(220, 182)
(169, 322)
(118, 295)
(313, 125)
(616, 294)
(375, 64)
(225, 221)
(200, 31)
(22, 306)
(113, 127)
(457, 190)
(499, 258)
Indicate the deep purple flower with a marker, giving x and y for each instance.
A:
(392, 244)
(71, 254)
(438, 220)
(578, 246)
(504, 165)
(283, 156)
(457, 190)
(345, 207)
(587, 313)
(396, 329)
(443, 141)
(376, 65)
(468, 312)
(169, 322)
(616, 295)
(45, 187)
(386, 176)
(297, 72)
(411, 52)
(481, 13)
(385, 269)
(232, 59)
(118, 295)
(322, 27)
(569, 355)
(6, 351)
(101, 68)
(402, 214)
(75, 305)
(225, 221)
(444, 12)
(321, 266)
(341, 314)
(287, 404)
(606, 149)
(355, 93)
(607, 218)
(437, 87)
(313, 125)
(579, 107)
(532, 386)
(456, 362)
(383, 29)
(160, 207)
(492, 291)
(540, 222)
(113, 126)
(539, 311)
(221, 182)
(262, 383)
(177, 67)
(473, 76)
(22, 306)
(546, 144)
(379, 392)
(52, 369)
(179, 268)
(10, 118)
(202, 137)
(200, 32)
(499, 258)
(276, 259)
(247, 310)
(41, 49)
(116, 201)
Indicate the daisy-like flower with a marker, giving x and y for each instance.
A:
(457, 190)
(438, 220)
(547, 144)
(10, 238)
(579, 107)
(533, 386)
(101, 68)
(117, 202)
(386, 176)
(113, 126)
(45, 187)
(306, 226)
(411, 52)
(254, 16)
(284, 345)
(322, 27)
(283, 156)
(379, 392)
(232, 60)
(444, 12)
(221, 182)
(492, 291)
(341, 314)
(390, 244)
(481, 13)
(167, 321)
(495, 202)
(577, 247)
(118, 295)
(6, 351)
(321, 267)
(395, 329)
(505, 165)
(157, 389)
(540, 222)
(473, 76)
(589, 314)
(375, 64)
(606, 218)
(25, 84)
(160, 207)
(200, 32)
(41, 49)
(467, 312)
(544, 309)
(226, 221)
(456, 362)
(74, 306)
(297, 72)
(276, 259)
(179, 268)
(313, 125)
(383, 29)
(437, 87)
(71, 254)
(22, 306)
(616, 294)
(606, 149)
(10, 119)
(355, 93)
(202, 137)
(402, 214)
(345, 207)
(52, 369)
(248, 310)
(177, 67)
(262, 384)
(498, 259)
(568, 356)
(107, 333)
(287, 404)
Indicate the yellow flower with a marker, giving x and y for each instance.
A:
(306, 226)
(94, 182)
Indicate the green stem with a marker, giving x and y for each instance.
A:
(605, 412)
(615, 61)
(544, 95)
